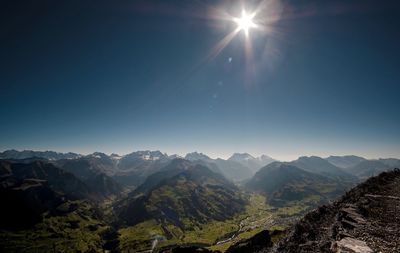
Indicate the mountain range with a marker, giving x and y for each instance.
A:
(50, 155)
(132, 169)
(145, 198)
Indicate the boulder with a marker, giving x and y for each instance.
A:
(350, 245)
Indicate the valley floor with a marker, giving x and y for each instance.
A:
(215, 235)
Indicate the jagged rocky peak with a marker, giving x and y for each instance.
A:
(196, 156)
(266, 158)
(115, 156)
(98, 155)
(147, 155)
(251, 162)
(174, 156)
(241, 156)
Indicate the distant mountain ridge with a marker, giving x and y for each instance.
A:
(368, 168)
(253, 163)
(321, 166)
(230, 169)
(50, 155)
(132, 169)
(345, 161)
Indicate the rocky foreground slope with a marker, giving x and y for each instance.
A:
(366, 219)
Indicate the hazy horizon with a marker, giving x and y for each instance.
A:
(284, 158)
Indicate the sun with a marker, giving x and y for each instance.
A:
(245, 22)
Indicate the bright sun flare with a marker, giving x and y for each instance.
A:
(245, 22)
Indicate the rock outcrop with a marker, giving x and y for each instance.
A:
(255, 243)
(351, 245)
(366, 219)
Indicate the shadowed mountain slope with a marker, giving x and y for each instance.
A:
(56, 178)
(94, 173)
(30, 189)
(24, 202)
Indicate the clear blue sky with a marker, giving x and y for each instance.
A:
(119, 76)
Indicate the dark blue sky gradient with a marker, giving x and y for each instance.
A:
(118, 76)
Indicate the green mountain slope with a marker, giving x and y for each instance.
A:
(191, 195)
(283, 183)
